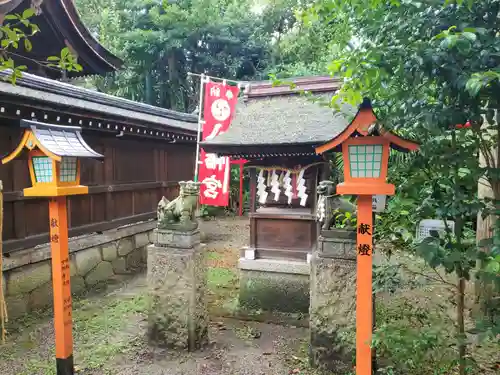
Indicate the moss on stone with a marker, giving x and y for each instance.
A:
(272, 291)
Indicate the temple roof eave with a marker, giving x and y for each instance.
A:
(62, 94)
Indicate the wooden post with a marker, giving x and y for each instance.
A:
(3, 307)
(364, 292)
(241, 189)
(61, 285)
(374, 311)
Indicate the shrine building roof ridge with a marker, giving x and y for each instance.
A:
(283, 120)
(291, 86)
(58, 93)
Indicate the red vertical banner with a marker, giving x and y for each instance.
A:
(215, 178)
(218, 109)
(215, 172)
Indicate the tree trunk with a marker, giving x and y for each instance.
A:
(485, 292)
(148, 85)
(462, 346)
(173, 78)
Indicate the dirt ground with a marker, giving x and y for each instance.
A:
(109, 329)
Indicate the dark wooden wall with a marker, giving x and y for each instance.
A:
(123, 188)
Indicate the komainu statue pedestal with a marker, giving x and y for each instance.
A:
(332, 311)
(177, 281)
(178, 316)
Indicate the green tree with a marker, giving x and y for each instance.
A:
(423, 63)
(161, 43)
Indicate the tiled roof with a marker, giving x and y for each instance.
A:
(289, 119)
(61, 140)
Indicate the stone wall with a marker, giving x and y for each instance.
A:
(94, 259)
(332, 313)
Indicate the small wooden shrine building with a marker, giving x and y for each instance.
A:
(276, 129)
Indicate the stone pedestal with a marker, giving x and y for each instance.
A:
(177, 281)
(333, 301)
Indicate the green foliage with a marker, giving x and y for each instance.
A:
(418, 342)
(15, 33)
(428, 67)
(163, 41)
(344, 219)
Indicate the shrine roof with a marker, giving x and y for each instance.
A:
(61, 26)
(31, 88)
(284, 120)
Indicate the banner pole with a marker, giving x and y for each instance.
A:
(198, 136)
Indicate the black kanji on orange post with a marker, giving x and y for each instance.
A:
(364, 249)
(364, 229)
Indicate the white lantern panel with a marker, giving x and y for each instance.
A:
(67, 171)
(42, 165)
(365, 161)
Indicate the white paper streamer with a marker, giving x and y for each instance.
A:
(287, 184)
(261, 187)
(301, 188)
(321, 210)
(275, 185)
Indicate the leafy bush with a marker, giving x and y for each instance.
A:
(409, 339)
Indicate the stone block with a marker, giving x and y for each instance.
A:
(125, 246)
(42, 297)
(109, 251)
(103, 271)
(178, 316)
(73, 270)
(87, 259)
(134, 259)
(141, 240)
(332, 315)
(78, 285)
(28, 278)
(17, 306)
(274, 291)
(151, 236)
(337, 243)
(120, 266)
(177, 239)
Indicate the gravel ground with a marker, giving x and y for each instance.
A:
(237, 348)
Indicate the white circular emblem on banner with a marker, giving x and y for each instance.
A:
(220, 110)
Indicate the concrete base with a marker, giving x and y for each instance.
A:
(332, 315)
(177, 280)
(274, 285)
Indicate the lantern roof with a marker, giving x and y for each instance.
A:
(55, 141)
(365, 124)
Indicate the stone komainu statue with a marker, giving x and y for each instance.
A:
(180, 212)
(328, 203)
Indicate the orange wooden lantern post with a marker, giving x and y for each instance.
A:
(54, 166)
(365, 149)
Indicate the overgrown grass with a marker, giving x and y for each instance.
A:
(99, 331)
(223, 290)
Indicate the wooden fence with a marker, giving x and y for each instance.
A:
(123, 188)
